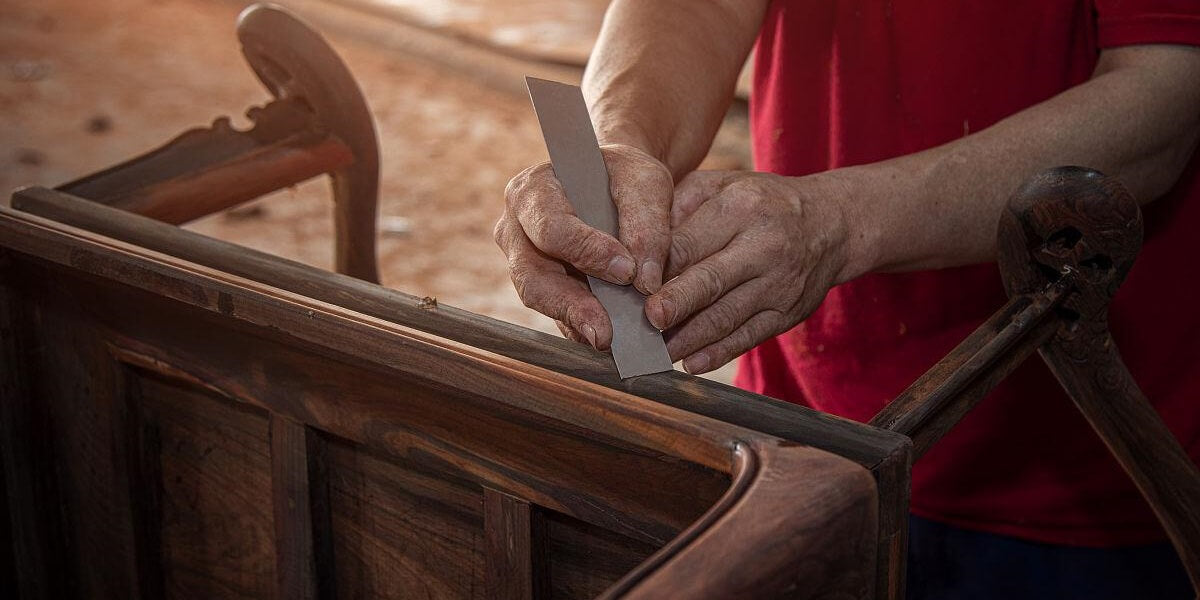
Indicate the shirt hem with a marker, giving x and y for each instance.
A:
(1149, 29)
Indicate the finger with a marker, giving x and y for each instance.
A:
(535, 197)
(694, 190)
(641, 190)
(709, 229)
(751, 333)
(570, 334)
(544, 285)
(702, 284)
(718, 320)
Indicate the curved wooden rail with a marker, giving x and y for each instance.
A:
(829, 553)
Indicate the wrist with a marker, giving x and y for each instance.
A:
(845, 193)
(630, 135)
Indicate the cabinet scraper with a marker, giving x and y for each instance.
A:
(637, 347)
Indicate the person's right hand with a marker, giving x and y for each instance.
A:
(549, 247)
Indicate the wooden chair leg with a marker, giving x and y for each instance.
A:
(1076, 223)
(292, 60)
(318, 123)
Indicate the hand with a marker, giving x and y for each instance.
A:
(752, 254)
(549, 248)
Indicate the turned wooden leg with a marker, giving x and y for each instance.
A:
(1078, 224)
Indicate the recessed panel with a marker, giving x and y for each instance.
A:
(214, 521)
(403, 529)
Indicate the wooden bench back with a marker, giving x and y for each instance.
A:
(172, 427)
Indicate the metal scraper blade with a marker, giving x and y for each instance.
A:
(637, 347)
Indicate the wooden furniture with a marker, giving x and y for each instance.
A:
(189, 418)
(184, 417)
(1065, 244)
(318, 123)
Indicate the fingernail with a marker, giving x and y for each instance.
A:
(657, 309)
(650, 277)
(621, 269)
(588, 333)
(697, 363)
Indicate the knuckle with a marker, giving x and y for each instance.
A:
(590, 248)
(523, 181)
(500, 232)
(541, 228)
(683, 243)
(649, 242)
(722, 317)
(534, 296)
(709, 280)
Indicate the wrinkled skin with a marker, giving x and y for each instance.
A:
(549, 249)
(752, 254)
(747, 255)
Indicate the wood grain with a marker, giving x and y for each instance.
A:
(508, 535)
(1077, 224)
(295, 561)
(216, 530)
(414, 428)
(886, 454)
(832, 521)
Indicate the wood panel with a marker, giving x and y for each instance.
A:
(584, 560)
(402, 529)
(387, 438)
(216, 528)
(886, 454)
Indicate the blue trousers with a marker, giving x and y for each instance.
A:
(945, 562)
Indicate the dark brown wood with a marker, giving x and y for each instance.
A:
(1066, 241)
(29, 459)
(886, 454)
(933, 404)
(293, 60)
(508, 529)
(295, 565)
(207, 170)
(318, 123)
(415, 427)
(748, 519)
(1077, 224)
(143, 449)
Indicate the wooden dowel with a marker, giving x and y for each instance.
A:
(933, 404)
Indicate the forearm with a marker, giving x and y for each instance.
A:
(1138, 118)
(663, 72)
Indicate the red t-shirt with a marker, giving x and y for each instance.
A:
(855, 81)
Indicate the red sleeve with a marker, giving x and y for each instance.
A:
(1127, 22)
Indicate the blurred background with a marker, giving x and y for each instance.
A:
(85, 84)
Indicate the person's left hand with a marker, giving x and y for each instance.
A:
(752, 254)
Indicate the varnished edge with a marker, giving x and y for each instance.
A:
(797, 523)
(745, 469)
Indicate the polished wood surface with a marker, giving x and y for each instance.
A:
(886, 455)
(1066, 242)
(205, 434)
